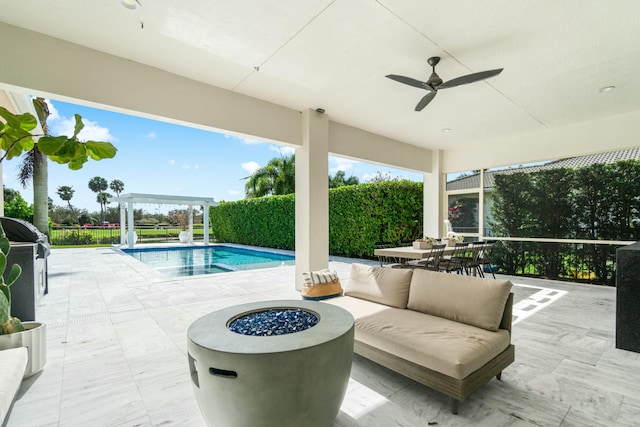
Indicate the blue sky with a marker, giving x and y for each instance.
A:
(162, 158)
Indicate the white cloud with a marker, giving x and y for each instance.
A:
(151, 135)
(91, 131)
(250, 167)
(185, 167)
(196, 166)
(341, 164)
(233, 192)
(171, 162)
(282, 149)
(53, 113)
(244, 140)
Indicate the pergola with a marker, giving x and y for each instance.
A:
(126, 202)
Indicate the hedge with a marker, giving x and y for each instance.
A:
(359, 217)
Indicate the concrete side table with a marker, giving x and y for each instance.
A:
(296, 379)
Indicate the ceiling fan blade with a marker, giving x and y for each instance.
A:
(425, 100)
(409, 81)
(470, 78)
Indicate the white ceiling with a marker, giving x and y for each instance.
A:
(334, 54)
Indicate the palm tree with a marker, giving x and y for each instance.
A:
(35, 168)
(98, 185)
(278, 177)
(117, 186)
(65, 192)
(103, 198)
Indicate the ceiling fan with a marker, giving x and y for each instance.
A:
(435, 82)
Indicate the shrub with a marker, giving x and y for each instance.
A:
(74, 237)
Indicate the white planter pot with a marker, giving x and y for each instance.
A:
(135, 238)
(422, 245)
(34, 338)
(184, 237)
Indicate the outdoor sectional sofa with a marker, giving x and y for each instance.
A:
(13, 363)
(449, 332)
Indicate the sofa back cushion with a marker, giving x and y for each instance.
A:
(388, 286)
(465, 299)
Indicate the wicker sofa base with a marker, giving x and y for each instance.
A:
(456, 389)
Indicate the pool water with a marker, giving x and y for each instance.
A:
(191, 261)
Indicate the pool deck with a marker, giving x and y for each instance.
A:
(116, 342)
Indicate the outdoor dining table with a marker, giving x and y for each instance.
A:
(409, 252)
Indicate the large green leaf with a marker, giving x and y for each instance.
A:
(78, 126)
(5, 304)
(15, 138)
(68, 151)
(24, 121)
(77, 164)
(100, 150)
(15, 141)
(49, 145)
(15, 272)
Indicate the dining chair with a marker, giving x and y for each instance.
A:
(430, 262)
(389, 261)
(456, 261)
(484, 258)
(472, 259)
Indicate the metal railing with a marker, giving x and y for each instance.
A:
(104, 235)
(577, 260)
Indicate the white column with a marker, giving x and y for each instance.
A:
(190, 211)
(123, 222)
(205, 223)
(433, 194)
(312, 195)
(130, 224)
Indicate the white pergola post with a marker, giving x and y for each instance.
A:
(130, 224)
(312, 196)
(205, 222)
(123, 222)
(190, 211)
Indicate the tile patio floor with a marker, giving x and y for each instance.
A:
(117, 354)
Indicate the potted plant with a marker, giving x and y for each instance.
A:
(424, 243)
(453, 239)
(13, 332)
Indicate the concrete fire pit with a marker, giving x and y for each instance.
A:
(296, 377)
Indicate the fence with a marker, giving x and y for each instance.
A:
(587, 261)
(98, 235)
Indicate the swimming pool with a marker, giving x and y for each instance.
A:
(193, 260)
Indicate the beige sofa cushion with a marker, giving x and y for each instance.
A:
(466, 299)
(452, 348)
(388, 286)
(359, 308)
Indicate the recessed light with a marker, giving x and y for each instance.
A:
(445, 130)
(606, 89)
(131, 4)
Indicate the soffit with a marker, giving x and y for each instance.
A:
(335, 54)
